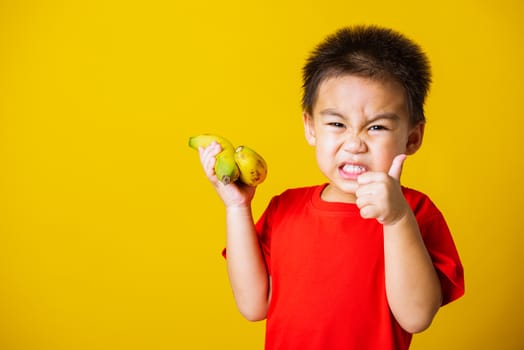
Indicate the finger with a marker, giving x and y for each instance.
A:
(363, 201)
(371, 177)
(396, 167)
(204, 157)
(209, 164)
(213, 149)
(366, 190)
(368, 212)
(208, 152)
(208, 159)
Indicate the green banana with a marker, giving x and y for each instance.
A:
(226, 169)
(253, 168)
(233, 164)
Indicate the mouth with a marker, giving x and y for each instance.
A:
(351, 171)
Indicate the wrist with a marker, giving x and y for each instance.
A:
(401, 217)
(407, 219)
(238, 208)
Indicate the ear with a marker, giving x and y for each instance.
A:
(415, 136)
(309, 128)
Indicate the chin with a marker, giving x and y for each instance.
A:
(344, 188)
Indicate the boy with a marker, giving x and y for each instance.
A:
(359, 262)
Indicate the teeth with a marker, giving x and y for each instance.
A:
(353, 169)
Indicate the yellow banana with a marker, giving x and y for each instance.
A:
(253, 168)
(226, 168)
(205, 140)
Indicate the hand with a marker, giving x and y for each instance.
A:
(234, 194)
(379, 195)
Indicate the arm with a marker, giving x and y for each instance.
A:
(245, 263)
(412, 285)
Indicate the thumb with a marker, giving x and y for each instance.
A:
(396, 166)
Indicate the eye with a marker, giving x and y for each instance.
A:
(377, 128)
(336, 124)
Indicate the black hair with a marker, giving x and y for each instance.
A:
(373, 52)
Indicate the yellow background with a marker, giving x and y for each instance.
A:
(110, 235)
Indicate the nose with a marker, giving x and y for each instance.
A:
(354, 143)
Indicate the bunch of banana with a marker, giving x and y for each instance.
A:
(232, 164)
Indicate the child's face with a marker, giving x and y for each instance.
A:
(358, 125)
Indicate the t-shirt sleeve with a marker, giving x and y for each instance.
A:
(441, 247)
(264, 228)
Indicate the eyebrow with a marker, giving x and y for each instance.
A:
(334, 112)
(390, 116)
(330, 111)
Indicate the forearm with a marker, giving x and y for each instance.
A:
(412, 285)
(246, 267)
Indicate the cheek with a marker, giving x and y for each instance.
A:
(384, 154)
(390, 145)
(325, 154)
(326, 146)
(321, 154)
(385, 162)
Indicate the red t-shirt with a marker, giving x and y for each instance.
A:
(327, 268)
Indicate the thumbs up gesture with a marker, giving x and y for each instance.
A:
(379, 195)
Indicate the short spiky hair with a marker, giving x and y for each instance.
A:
(372, 52)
